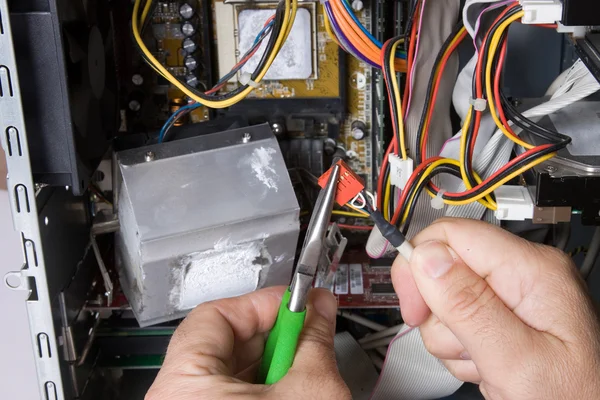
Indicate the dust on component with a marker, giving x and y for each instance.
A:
(295, 59)
(188, 237)
(349, 185)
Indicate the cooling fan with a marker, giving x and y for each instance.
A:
(71, 101)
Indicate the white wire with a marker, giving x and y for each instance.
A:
(361, 320)
(362, 198)
(371, 198)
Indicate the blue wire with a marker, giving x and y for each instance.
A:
(173, 117)
(258, 37)
(365, 31)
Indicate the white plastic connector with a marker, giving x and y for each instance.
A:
(478, 104)
(577, 31)
(245, 79)
(400, 170)
(438, 201)
(541, 11)
(514, 203)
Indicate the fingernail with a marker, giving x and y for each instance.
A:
(465, 355)
(433, 258)
(325, 304)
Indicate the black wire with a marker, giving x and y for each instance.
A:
(530, 126)
(418, 189)
(421, 157)
(411, 20)
(387, 72)
(279, 13)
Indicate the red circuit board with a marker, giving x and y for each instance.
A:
(361, 283)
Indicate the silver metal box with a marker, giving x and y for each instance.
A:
(203, 218)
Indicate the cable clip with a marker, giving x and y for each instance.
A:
(245, 79)
(478, 104)
(438, 201)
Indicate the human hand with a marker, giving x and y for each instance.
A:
(502, 312)
(216, 351)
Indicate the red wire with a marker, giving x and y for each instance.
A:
(410, 182)
(242, 61)
(499, 67)
(410, 55)
(479, 72)
(435, 92)
(356, 227)
(550, 26)
(387, 85)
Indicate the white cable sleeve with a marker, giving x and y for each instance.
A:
(392, 331)
(355, 366)
(411, 372)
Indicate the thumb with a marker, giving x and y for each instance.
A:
(467, 305)
(314, 371)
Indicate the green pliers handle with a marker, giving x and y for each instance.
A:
(280, 348)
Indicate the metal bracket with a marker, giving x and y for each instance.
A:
(333, 250)
(21, 190)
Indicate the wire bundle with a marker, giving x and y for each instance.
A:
(486, 90)
(282, 25)
(344, 27)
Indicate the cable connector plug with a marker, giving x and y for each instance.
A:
(541, 11)
(400, 170)
(514, 203)
(349, 184)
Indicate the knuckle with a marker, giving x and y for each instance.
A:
(470, 300)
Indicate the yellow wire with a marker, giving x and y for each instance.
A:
(358, 210)
(488, 78)
(386, 199)
(328, 26)
(463, 151)
(349, 214)
(484, 193)
(437, 71)
(288, 20)
(145, 11)
(398, 100)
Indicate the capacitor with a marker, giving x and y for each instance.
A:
(329, 146)
(191, 80)
(137, 79)
(134, 105)
(188, 28)
(186, 10)
(278, 127)
(190, 63)
(357, 5)
(189, 45)
(358, 130)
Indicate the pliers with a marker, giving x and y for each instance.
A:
(280, 348)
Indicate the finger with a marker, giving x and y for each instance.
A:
(204, 342)
(412, 306)
(463, 370)
(314, 371)
(247, 357)
(440, 341)
(465, 303)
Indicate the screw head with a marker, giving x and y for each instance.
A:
(550, 168)
(149, 156)
(246, 137)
